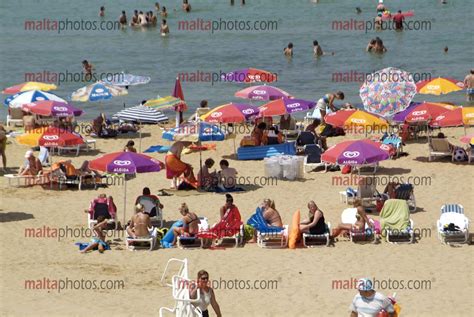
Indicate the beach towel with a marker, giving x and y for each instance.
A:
(174, 166)
(169, 236)
(395, 215)
(259, 223)
(227, 227)
(158, 148)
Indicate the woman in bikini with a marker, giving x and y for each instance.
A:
(270, 214)
(140, 223)
(359, 225)
(190, 223)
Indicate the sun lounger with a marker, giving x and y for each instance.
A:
(229, 228)
(453, 225)
(366, 235)
(184, 242)
(313, 240)
(180, 283)
(312, 158)
(261, 152)
(396, 142)
(142, 242)
(15, 116)
(395, 221)
(268, 236)
(440, 148)
(470, 153)
(157, 219)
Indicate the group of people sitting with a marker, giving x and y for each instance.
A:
(103, 128)
(267, 133)
(224, 180)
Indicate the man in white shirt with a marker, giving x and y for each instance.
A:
(369, 303)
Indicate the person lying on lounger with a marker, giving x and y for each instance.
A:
(359, 225)
(139, 224)
(175, 167)
(32, 167)
(98, 241)
(316, 224)
(270, 214)
(190, 223)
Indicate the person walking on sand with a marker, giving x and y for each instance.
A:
(207, 296)
(469, 85)
(3, 146)
(369, 303)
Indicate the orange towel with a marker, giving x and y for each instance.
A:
(174, 166)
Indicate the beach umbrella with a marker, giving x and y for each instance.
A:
(18, 100)
(456, 117)
(97, 92)
(164, 103)
(126, 163)
(141, 114)
(27, 86)
(387, 91)
(426, 112)
(400, 116)
(250, 75)
(231, 113)
(51, 108)
(262, 92)
(352, 118)
(356, 153)
(284, 106)
(180, 108)
(438, 86)
(50, 137)
(125, 80)
(468, 139)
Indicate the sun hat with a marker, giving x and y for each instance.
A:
(365, 284)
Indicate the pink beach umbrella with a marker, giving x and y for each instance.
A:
(262, 92)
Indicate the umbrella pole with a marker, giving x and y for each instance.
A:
(235, 152)
(124, 199)
(200, 166)
(140, 142)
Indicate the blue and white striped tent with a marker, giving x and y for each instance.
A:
(141, 114)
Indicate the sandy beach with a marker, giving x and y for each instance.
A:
(305, 278)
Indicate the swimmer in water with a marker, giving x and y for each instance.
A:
(164, 30)
(88, 68)
(446, 50)
(380, 6)
(134, 21)
(157, 7)
(358, 10)
(318, 51)
(123, 19)
(102, 12)
(186, 6)
(288, 51)
(142, 19)
(164, 13)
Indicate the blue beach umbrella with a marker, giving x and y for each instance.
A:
(124, 80)
(97, 92)
(18, 100)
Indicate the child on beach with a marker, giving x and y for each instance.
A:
(99, 240)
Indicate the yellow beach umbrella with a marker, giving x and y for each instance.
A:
(30, 85)
(438, 86)
(30, 138)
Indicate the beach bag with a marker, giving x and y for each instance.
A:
(248, 232)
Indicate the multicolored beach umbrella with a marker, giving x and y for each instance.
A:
(439, 86)
(426, 112)
(349, 119)
(125, 80)
(356, 153)
(164, 103)
(262, 92)
(195, 132)
(387, 91)
(27, 86)
(249, 75)
(453, 118)
(22, 98)
(231, 113)
(97, 92)
(52, 108)
(126, 163)
(284, 106)
(50, 137)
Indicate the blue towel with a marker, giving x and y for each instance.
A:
(158, 148)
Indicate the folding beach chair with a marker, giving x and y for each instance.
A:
(313, 240)
(143, 242)
(153, 210)
(184, 242)
(366, 191)
(180, 283)
(453, 225)
(268, 236)
(440, 148)
(406, 192)
(395, 221)
(312, 158)
(100, 208)
(15, 116)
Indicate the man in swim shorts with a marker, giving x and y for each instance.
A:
(469, 85)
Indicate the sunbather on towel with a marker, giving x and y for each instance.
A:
(359, 225)
(190, 223)
(316, 224)
(33, 166)
(175, 167)
(98, 241)
(228, 207)
(139, 224)
(271, 215)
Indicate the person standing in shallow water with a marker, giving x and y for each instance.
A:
(102, 12)
(288, 51)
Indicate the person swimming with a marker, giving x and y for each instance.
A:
(164, 13)
(134, 21)
(88, 68)
(186, 6)
(358, 10)
(123, 19)
(102, 12)
(288, 51)
(318, 51)
(164, 30)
